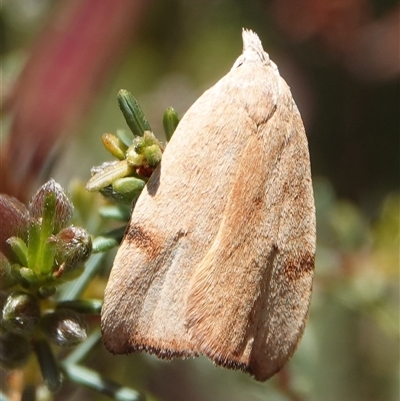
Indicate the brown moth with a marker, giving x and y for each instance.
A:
(218, 258)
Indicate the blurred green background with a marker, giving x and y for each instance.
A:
(62, 63)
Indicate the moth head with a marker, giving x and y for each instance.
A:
(252, 50)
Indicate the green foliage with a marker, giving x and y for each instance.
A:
(48, 252)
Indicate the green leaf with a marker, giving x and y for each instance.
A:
(20, 249)
(132, 112)
(107, 175)
(48, 365)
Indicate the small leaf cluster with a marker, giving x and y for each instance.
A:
(138, 152)
(39, 250)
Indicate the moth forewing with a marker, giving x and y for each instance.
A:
(218, 258)
(250, 295)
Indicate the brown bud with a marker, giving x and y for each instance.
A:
(73, 247)
(65, 327)
(14, 221)
(21, 312)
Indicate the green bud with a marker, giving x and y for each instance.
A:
(114, 145)
(21, 312)
(139, 144)
(134, 158)
(145, 151)
(63, 206)
(132, 112)
(170, 122)
(153, 155)
(129, 187)
(28, 277)
(14, 350)
(150, 139)
(65, 327)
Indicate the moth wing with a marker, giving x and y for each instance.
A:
(250, 295)
(173, 224)
(218, 258)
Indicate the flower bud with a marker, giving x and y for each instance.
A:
(153, 155)
(170, 122)
(13, 222)
(133, 157)
(73, 247)
(14, 350)
(63, 206)
(128, 188)
(145, 151)
(21, 312)
(28, 277)
(65, 327)
(150, 139)
(114, 145)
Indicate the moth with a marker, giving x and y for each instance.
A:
(218, 258)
